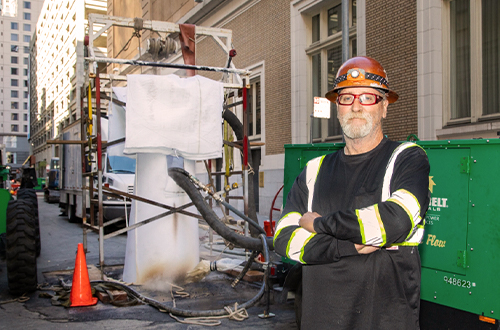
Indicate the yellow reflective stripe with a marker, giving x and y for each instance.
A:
(386, 187)
(276, 234)
(361, 228)
(319, 166)
(405, 244)
(303, 247)
(403, 207)
(312, 171)
(290, 242)
(372, 225)
(415, 239)
(298, 239)
(289, 219)
(408, 202)
(381, 224)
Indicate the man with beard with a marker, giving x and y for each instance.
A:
(354, 218)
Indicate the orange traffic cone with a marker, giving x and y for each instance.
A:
(81, 293)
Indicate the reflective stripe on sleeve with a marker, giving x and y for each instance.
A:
(290, 219)
(386, 188)
(303, 247)
(415, 238)
(371, 226)
(298, 240)
(408, 202)
(312, 171)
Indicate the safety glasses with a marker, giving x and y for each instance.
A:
(364, 99)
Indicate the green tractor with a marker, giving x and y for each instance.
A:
(20, 231)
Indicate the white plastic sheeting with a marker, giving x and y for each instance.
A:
(174, 116)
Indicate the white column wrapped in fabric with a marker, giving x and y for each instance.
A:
(167, 115)
(165, 249)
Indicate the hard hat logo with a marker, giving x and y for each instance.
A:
(361, 71)
(356, 74)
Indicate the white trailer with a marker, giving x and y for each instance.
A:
(70, 176)
(119, 173)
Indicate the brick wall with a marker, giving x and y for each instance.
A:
(262, 33)
(391, 38)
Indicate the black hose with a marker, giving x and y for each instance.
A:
(219, 200)
(266, 276)
(237, 127)
(190, 313)
(245, 269)
(178, 175)
(179, 311)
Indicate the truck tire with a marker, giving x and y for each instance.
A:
(29, 195)
(21, 248)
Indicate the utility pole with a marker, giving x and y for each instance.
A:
(345, 30)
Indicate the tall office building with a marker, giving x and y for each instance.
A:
(57, 53)
(17, 22)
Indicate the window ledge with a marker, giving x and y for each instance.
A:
(469, 131)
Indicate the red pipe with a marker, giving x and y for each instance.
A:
(245, 128)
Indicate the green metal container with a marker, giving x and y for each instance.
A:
(461, 244)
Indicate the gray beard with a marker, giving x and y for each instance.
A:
(354, 131)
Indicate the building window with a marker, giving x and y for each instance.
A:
(325, 55)
(14, 37)
(27, 16)
(14, 128)
(14, 48)
(14, 94)
(25, 83)
(14, 105)
(26, 94)
(26, 4)
(14, 116)
(13, 71)
(25, 72)
(25, 117)
(13, 59)
(14, 82)
(25, 105)
(25, 61)
(14, 26)
(27, 27)
(26, 50)
(25, 128)
(254, 109)
(473, 72)
(334, 20)
(26, 38)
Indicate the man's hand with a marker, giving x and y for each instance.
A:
(366, 249)
(307, 221)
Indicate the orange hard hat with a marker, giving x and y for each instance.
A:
(361, 71)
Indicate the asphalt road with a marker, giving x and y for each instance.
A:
(59, 240)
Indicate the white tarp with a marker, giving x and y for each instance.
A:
(174, 116)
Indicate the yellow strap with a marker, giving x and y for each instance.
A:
(89, 130)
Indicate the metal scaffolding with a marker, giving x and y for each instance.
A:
(98, 25)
